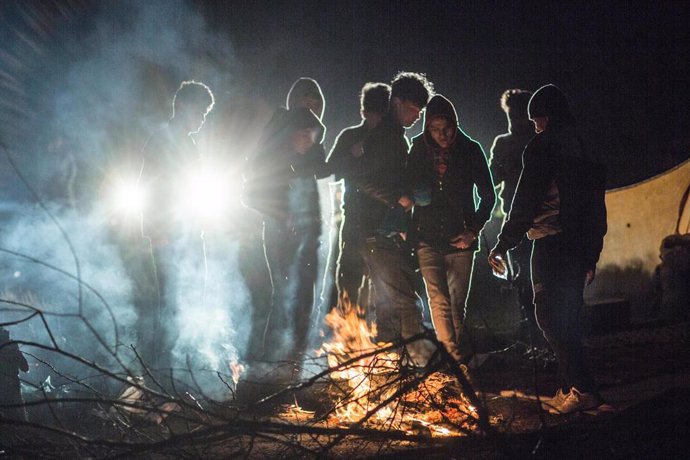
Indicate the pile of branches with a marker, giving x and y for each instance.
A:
(117, 406)
(146, 416)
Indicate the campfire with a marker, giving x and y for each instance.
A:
(370, 388)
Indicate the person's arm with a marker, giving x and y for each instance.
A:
(16, 357)
(481, 175)
(497, 161)
(532, 186)
(379, 161)
(341, 160)
(23, 364)
(476, 219)
(416, 174)
(596, 220)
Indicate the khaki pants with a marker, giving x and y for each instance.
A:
(447, 281)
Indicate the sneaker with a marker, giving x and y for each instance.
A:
(576, 401)
(551, 403)
(466, 373)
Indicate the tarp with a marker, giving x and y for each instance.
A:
(639, 217)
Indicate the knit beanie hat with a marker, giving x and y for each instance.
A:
(549, 101)
(301, 88)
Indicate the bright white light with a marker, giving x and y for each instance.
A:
(208, 195)
(128, 197)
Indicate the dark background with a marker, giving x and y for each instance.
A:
(623, 65)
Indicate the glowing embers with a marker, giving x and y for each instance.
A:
(370, 388)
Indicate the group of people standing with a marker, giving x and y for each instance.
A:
(404, 206)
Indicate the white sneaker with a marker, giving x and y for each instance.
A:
(576, 401)
(549, 404)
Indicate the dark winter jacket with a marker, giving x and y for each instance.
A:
(560, 191)
(452, 209)
(506, 157)
(345, 166)
(281, 183)
(381, 182)
(340, 160)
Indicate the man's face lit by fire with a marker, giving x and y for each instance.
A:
(304, 139)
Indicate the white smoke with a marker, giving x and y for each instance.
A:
(89, 95)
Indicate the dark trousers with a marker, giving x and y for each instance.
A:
(351, 274)
(390, 265)
(520, 261)
(254, 270)
(558, 277)
(149, 270)
(11, 393)
(292, 261)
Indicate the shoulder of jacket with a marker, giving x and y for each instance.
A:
(465, 143)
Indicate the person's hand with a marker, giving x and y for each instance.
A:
(589, 277)
(497, 261)
(464, 240)
(357, 150)
(406, 202)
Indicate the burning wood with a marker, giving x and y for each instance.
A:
(372, 389)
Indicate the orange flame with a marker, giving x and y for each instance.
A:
(353, 342)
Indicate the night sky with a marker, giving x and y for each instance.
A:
(623, 65)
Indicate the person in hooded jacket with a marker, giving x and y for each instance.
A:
(506, 165)
(450, 164)
(281, 185)
(267, 197)
(559, 203)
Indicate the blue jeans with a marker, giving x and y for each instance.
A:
(447, 280)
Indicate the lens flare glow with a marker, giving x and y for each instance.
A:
(128, 197)
(207, 196)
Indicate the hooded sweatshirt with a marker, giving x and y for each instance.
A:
(451, 175)
(506, 157)
(280, 183)
(561, 188)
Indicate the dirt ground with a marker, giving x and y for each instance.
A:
(644, 377)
